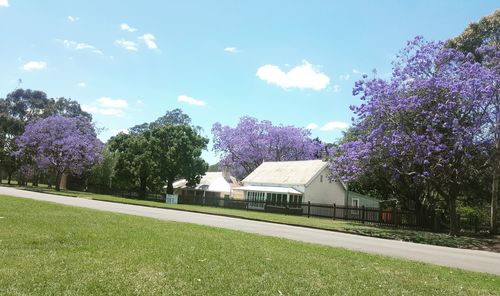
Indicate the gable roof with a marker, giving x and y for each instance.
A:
(211, 181)
(300, 172)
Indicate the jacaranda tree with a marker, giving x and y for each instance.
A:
(425, 127)
(244, 147)
(61, 145)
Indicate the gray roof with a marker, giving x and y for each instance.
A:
(286, 172)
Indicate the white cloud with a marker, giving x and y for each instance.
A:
(107, 106)
(80, 46)
(34, 65)
(126, 27)
(112, 103)
(302, 77)
(127, 44)
(231, 49)
(356, 71)
(82, 84)
(149, 39)
(139, 102)
(333, 125)
(72, 18)
(4, 3)
(344, 77)
(190, 100)
(336, 88)
(312, 126)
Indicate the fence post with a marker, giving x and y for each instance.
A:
(334, 210)
(476, 226)
(363, 214)
(308, 209)
(203, 203)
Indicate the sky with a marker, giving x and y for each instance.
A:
(290, 62)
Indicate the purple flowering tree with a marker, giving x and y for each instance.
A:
(426, 126)
(61, 145)
(244, 147)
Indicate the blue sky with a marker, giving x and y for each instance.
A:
(291, 62)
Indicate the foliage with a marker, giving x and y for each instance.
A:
(173, 117)
(213, 167)
(177, 151)
(158, 156)
(21, 107)
(485, 32)
(61, 144)
(425, 127)
(482, 39)
(469, 212)
(101, 174)
(134, 168)
(244, 147)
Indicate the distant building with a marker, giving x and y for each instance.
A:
(213, 184)
(296, 182)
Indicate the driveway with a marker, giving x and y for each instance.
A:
(481, 261)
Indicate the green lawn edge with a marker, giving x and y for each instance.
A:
(348, 227)
(50, 249)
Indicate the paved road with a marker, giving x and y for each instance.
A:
(467, 259)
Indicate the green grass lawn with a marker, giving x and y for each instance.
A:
(51, 249)
(426, 237)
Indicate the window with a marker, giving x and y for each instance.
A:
(355, 204)
(256, 199)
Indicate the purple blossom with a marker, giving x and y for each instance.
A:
(246, 146)
(430, 120)
(61, 144)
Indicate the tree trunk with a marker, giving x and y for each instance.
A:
(36, 176)
(143, 188)
(496, 169)
(170, 186)
(9, 178)
(494, 200)
(21, 181)
(452, 209)
(58, 181)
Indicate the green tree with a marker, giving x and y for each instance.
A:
(173, 117)
(177, 151)
(134, 167)
(486, 32)
(101, 175)
(21, 107)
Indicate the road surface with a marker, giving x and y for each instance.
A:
(474, 260)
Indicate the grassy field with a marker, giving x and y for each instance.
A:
(50, 249)
(440, 239)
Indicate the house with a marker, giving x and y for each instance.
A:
(213, 184)
(292, 183)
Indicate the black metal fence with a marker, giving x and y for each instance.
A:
(427, 220)
(389, 217)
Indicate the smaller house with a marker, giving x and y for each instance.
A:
(212, 184)
(292, 183)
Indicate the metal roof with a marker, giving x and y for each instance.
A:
(272, 189)
(211, 181)
(286, 172)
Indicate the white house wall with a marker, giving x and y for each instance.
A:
(325, 192)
